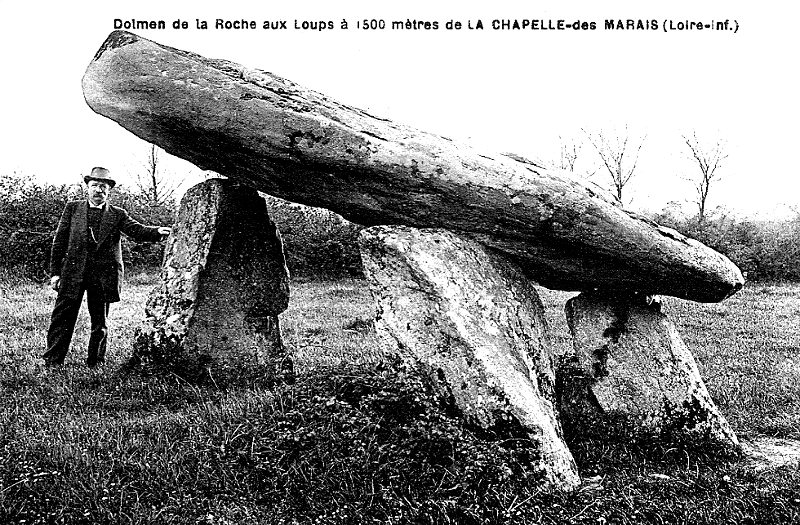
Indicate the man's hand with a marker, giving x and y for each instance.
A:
(164, 230)
(55, 282)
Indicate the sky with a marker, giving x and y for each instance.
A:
(522, 91)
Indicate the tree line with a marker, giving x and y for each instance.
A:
(764, 249)
(619, 152)
(319, 243)
(30, 211)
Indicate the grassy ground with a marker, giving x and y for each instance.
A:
(354, 441)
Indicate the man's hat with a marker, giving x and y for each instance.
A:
(101, 174)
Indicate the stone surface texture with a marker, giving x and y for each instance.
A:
(302, 146)
(223, 283)
(475, 325)
(631, 365)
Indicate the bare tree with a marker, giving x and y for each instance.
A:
(153, 183)
(570, 148)
(708, 161)
(568, 161)
(619, 156)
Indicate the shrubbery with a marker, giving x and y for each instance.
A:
(765, 250)
(29, 215)
(319, 243)
(148, 254)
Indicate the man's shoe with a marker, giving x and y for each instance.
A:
(46, 366)
(94, 365)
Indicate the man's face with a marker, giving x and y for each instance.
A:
(98, 192)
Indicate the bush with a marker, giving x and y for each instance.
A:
(317, 242)
(29, 215)
(144, 255)
(765, 250)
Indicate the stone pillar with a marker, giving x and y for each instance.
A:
(630, 365)
(475, 326)
(223, 283)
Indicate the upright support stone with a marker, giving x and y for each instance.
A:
(631, 365)
(475, 325)
(223, 283)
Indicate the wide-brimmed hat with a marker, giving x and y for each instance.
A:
(102, 175)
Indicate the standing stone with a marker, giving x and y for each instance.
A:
(475, 326)
(223, 283)
(631, 365)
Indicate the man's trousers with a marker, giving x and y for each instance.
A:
(64, 317)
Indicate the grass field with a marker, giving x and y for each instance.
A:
(354, 441)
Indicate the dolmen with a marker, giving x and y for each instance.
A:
(454, 241)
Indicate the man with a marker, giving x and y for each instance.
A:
(86, 256)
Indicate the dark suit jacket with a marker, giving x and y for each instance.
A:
(71, 247)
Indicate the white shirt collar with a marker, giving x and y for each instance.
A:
(92, 205)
